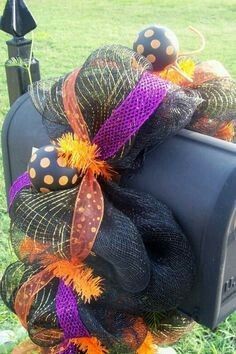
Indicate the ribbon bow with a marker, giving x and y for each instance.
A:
(124, 122)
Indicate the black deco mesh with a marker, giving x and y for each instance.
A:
(169, 326)
(105, 79)
(218, 105)
(140, 252)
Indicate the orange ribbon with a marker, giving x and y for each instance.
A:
(26, 294)
(88, 210)
(87, 218)
(89, 205)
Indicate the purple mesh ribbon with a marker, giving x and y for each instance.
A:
(130, 115)
(68, 316)
(71, 349)
(21, 182)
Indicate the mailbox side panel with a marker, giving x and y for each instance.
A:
(22, 130)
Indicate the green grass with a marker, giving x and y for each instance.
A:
(69, 30)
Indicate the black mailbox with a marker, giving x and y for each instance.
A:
(194, 174)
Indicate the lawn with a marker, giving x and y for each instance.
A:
(69, 30)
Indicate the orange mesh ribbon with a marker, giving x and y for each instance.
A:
(226, 131)
(89, 205)
(72, 109)
(88, 210)
(26, 294)
(206, 71)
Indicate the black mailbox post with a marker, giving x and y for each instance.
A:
(21, 67)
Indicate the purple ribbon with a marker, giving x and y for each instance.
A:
(21, 182)
(68, 316)
(131, 114)
(71, 349)
(123, 123)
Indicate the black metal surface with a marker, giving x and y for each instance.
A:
(19, 47)
(17, 19)
(195, 175)
(22, 130)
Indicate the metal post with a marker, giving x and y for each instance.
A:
(18, 21)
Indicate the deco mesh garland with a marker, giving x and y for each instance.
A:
(102, 268)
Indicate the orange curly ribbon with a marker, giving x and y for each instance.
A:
(88, 210)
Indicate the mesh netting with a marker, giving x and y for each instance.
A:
(169, 326)
(131, 114)
(173, 114)
(141, 255)
(143, 232)
(105, 79)
(218, 105)
(68, 313)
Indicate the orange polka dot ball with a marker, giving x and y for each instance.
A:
(48, 171)
(159, 45)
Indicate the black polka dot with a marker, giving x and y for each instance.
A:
(153, 43)
(47, 174)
